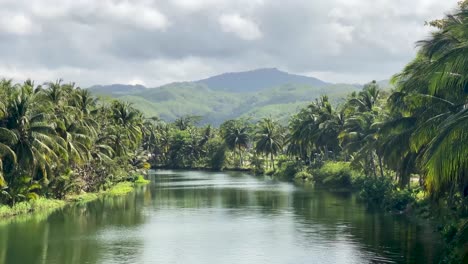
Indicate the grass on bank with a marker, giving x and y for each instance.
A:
(43, 204)
(26, 207)
(140, 180)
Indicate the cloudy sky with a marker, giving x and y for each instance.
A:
(153, 42)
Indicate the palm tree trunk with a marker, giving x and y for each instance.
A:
(240, 157)
(380, 166)
(272, 160)
(372, 164)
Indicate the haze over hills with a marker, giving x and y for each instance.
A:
(257, 80)
(251, 94)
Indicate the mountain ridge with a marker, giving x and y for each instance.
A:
(218, 98)
(251, 80)
(257, 80)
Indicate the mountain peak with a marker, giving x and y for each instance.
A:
(257, 80)
(274, 69)
(117, 89)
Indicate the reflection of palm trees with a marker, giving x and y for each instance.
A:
(340, 216)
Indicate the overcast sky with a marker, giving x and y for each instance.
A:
(153, 42)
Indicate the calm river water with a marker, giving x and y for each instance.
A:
(215, 218)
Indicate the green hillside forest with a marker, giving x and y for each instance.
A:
(214, 104)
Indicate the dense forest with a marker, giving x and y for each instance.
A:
(405, 150)
(55, 139)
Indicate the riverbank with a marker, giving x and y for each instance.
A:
(43, 204)
(203, 169)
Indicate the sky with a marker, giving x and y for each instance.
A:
(154, 42)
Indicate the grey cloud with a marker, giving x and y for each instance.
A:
(154, 42)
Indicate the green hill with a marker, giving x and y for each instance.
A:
(218, 104)
(172, 101)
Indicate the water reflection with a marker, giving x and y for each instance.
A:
(200, 217)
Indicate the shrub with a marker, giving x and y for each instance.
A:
(287, 169)
(217, 154)
(140, 179)
(399, 200)
(121, 188)
(303, 175)
(258, 165)
(334, 174)
(383, 192)
(374, 190)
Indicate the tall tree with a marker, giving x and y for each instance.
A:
(269, 139)
(235, 134)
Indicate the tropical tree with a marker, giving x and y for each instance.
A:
(313, 132)
(269, 139)
(235, 134)
(433, 90)
(7, 140)
(38, 143)
(126, 128)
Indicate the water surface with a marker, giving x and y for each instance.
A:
(208, 218)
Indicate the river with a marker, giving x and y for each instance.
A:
(216, 218)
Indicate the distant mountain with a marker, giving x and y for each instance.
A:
(252, 94)
(180, 99)
(257, 80)
(385, 84)
(117, 89)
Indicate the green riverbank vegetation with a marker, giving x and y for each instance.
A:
(58, 141)
(44, 205)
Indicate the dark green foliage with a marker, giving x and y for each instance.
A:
(181, 152)
(287, 169)
(399, 200)
(374, 190)
(384, 193)
(236, 136)
(303, 175)
(334, 174)
(216, 150)
(269, 139)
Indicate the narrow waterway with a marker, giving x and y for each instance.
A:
(215, 218)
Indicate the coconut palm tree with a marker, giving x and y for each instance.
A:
(37, 145)
(128, 121)
(300, 139)
(7, 140)
(314, 131)
(269, 139)
(235, 134)
(434, 90)
(359, 140)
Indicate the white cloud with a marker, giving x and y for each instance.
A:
(138, 13)
(17, 23)
(151, 73)
(145, 16)
(242, 27)
(159, 41)
(195, 5)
